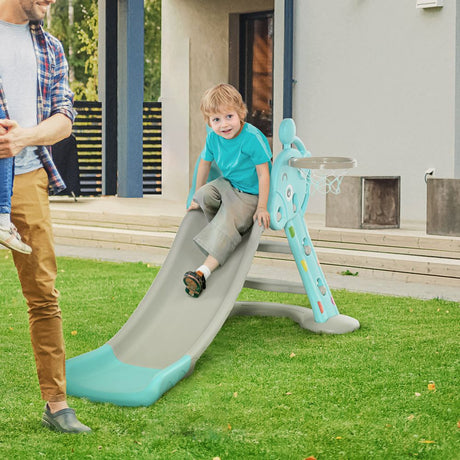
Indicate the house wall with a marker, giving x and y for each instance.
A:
(195, 50)
(379, 81)
(376, 81)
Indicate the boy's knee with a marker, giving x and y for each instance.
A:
(212, 201)
(208, 198)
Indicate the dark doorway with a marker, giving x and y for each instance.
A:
(256, 68)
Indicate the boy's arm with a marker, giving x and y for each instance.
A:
(202, 174)
(201, 177)
(262, 215)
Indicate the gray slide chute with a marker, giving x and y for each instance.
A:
(167, 333)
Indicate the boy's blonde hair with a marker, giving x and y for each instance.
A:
(220, 97)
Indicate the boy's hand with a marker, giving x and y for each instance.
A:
(262, 216)
(193, 205)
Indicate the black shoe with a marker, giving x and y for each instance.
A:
(195, 282)
(64, 421)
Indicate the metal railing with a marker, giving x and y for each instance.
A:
(87, 130)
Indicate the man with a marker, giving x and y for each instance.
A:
(37, 101)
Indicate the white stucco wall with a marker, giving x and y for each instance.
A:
(195, 51)
(376, 80)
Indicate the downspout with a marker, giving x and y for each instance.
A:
(288, 57)
(457, 97)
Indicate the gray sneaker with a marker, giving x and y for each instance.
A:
(10, 238)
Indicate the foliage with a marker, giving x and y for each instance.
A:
(152, 50)
(264, 388)
(80, 41)
(88, 38)
(78, 53)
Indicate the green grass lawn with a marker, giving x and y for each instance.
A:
(264, 389)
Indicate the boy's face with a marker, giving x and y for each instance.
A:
(225, 123)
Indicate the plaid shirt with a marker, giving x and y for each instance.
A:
(53, 93)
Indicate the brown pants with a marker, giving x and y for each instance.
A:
(30, 213)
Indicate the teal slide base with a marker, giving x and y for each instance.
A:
(99, 376)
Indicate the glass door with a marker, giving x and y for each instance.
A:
(256, 68)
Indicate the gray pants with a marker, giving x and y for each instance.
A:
(230, 214)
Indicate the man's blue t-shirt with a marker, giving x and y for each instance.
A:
(237, 158)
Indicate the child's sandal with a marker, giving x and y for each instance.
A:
(195, 282)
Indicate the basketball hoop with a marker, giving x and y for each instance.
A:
(324, 174)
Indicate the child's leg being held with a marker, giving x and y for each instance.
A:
(6, 184)
(9, 236)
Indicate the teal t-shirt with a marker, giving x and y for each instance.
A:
(237, 158)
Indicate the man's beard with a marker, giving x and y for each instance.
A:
(32, 10)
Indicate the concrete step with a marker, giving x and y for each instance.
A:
(362, 257)
(402, 257)
(392, 241)
(118, 238)
(375, 265)
(115, 220)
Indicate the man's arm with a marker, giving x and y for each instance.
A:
(48, 132)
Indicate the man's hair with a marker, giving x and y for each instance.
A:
(220, 97)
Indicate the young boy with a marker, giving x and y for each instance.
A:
(232, 202)
(9, 236)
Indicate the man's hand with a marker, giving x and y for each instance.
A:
(2, 129)
(10, 138)
(47, 132)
